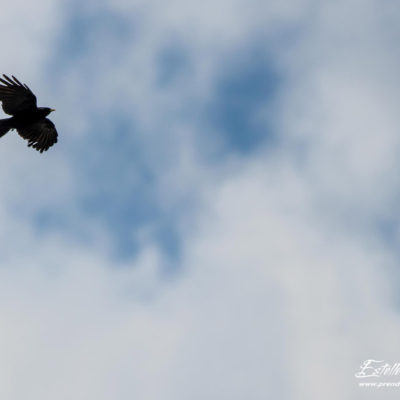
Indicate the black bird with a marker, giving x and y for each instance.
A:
(29, 120)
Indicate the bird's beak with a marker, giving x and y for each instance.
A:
(52, 109)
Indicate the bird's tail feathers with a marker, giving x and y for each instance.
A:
(5, 126)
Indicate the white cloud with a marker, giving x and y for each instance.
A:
(286, 285)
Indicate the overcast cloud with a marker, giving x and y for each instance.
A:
(219, 219)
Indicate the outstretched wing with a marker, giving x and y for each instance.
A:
(40, 135)
(15, 96)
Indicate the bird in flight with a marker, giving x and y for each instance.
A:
(29, 120)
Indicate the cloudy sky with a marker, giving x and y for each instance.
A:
(220, 218)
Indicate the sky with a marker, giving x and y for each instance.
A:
(219, 219)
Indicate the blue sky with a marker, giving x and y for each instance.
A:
(121, 192)
(219, 217)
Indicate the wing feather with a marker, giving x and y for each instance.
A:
(40, 135)
(15, 96)
(16, 80)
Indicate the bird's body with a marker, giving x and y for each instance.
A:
(29, 120)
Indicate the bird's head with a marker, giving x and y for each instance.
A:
(46, 110)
